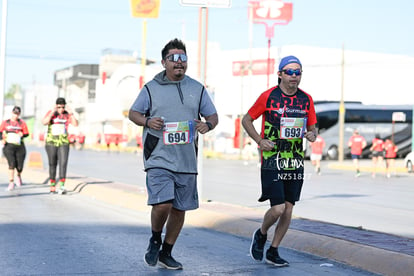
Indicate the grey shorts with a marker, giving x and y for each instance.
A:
(164, 185)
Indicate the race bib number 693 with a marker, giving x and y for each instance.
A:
(291, 128)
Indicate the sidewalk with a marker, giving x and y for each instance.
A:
(367, 166)
(372, 251)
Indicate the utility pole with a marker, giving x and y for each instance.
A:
(412, 130)
(3, 55)
(342, 110)
(241, 133)
(202, 55)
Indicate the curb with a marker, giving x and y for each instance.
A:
(241, 221)
(399, 167)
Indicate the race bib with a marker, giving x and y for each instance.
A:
(13, 138)
(58, 129)
(178, 133)
(292, 128)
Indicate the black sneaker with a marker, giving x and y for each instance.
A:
(153, 251)
(257, 245)
(167, 261)
(272, 257)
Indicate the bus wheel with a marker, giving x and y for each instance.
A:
(333, 153)
(410, 166)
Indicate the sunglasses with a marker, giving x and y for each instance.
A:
(290, 72)
(175, 57)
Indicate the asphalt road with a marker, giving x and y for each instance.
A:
(44, 234)
(336, 196)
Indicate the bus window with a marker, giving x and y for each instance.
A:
(327, 119)
(372, 116)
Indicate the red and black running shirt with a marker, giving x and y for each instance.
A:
(9, 127)
(273, 105)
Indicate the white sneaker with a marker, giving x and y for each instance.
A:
(61, 190)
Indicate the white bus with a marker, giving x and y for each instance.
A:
(369, 120)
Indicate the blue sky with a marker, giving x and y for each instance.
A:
(46, 35)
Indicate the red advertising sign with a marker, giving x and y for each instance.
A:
(259, 67)
(271, 10)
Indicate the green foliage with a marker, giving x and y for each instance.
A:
(14, 90)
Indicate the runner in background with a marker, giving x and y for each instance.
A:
(390, 153)
(316, 155)
(57, 142)
(357, 143)
(249, 151)
(13, 131)
(377, 151)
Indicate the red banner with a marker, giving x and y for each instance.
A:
(271, 10)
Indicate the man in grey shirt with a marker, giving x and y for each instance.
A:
(170, 107)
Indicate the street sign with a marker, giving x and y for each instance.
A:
(207, 3)
(271, 10)
(259, 67)
(145, 8)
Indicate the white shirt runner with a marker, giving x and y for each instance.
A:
(13, 138)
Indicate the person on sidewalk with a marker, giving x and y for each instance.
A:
(357, 143)
(390, 154)
(288, 116)
(316, 154)
(249, 151)
(377, 152)
(57, 121)
(13, 131)
(170, 107)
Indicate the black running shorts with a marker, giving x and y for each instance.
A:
(281, 186)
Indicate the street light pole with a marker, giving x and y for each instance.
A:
(202, 76)
(241, 133)
(342, 111)
(268, 61)
(3, 55)
(143, 53)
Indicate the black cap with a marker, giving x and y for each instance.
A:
(60, 101)
(16, 110)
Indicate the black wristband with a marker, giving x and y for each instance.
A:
(210, 125)
(146, 121)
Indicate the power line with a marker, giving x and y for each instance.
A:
(62, 58)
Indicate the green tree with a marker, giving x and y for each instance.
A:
(14, 94)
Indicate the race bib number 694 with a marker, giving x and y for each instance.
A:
(178, 133)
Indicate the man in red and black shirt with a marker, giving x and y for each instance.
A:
(288, 116)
